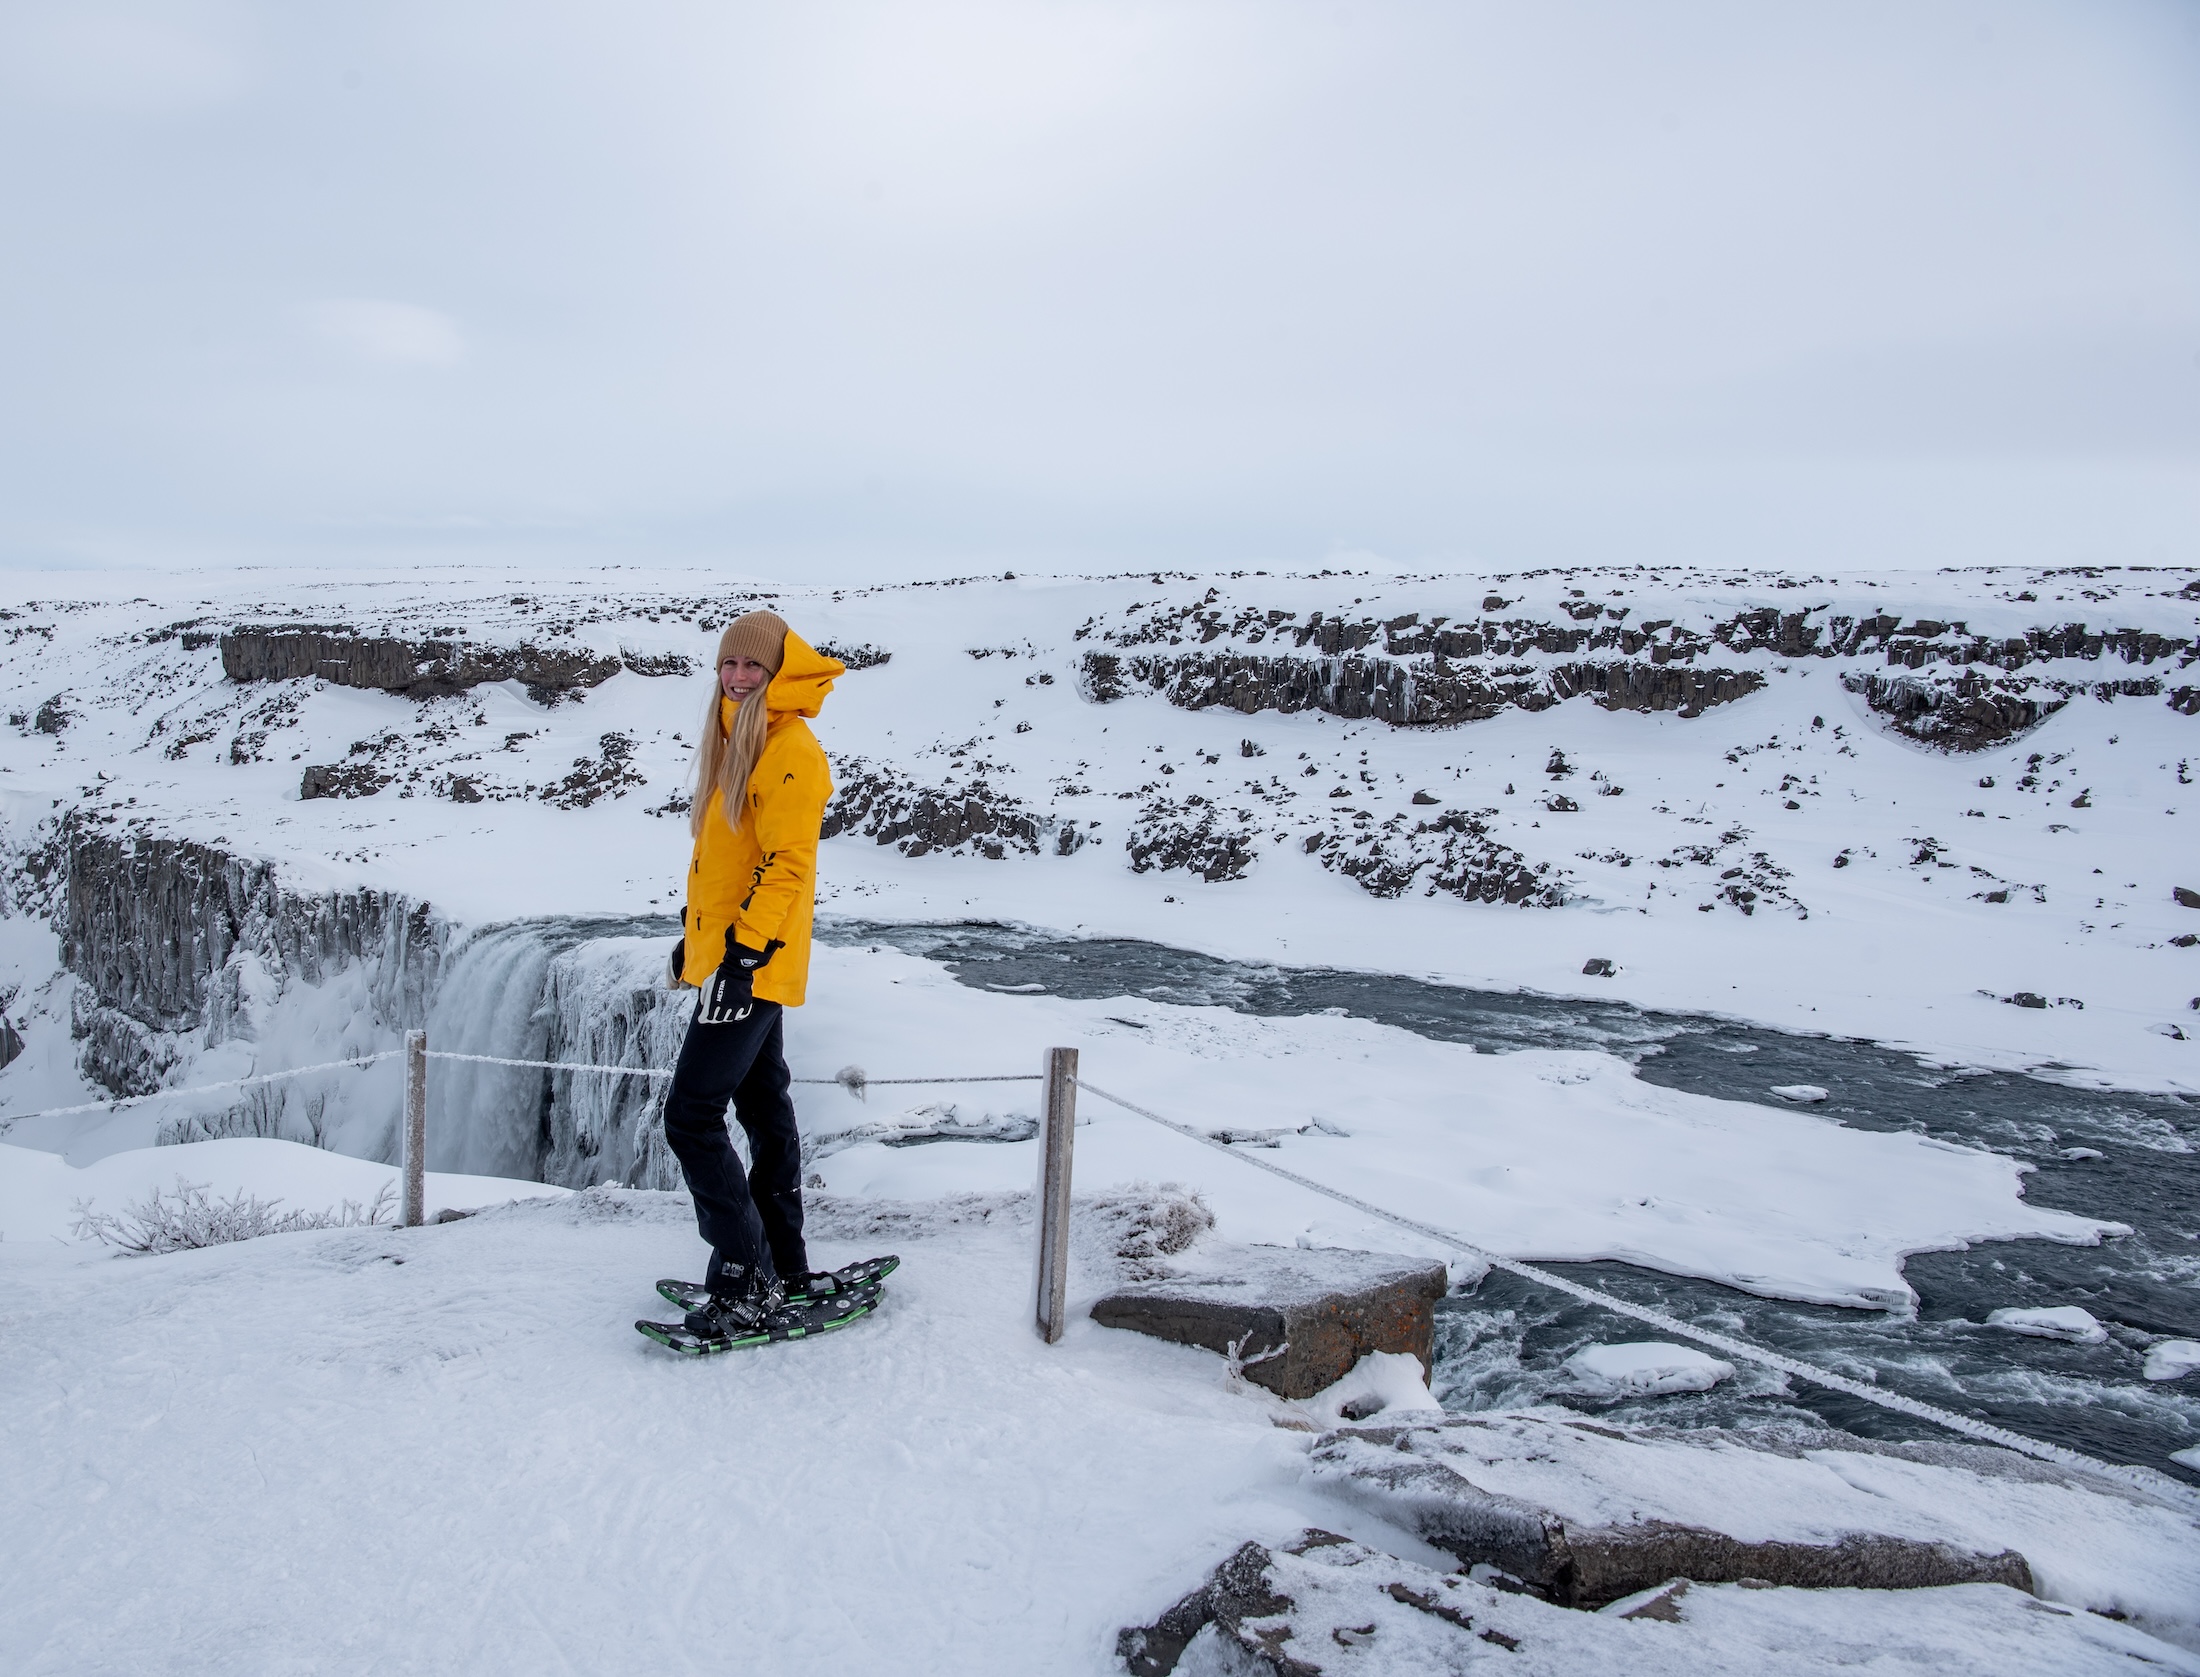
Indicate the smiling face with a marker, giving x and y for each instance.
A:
(739, 677)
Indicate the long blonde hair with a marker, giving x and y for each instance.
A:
(724, 759)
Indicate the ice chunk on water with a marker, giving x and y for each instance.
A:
(1648, 1368)
(2064, 1321)
(1801, 1093)
(2172, 1359)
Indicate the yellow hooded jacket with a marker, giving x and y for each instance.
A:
(762, 880)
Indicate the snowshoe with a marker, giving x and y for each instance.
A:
(865, 1275)
(759, 1319)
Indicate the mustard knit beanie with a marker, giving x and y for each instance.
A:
(761, 635)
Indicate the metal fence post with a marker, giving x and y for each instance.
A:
(416, 1129)
(1055, 1137)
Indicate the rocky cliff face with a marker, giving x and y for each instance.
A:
(174, 939)
(1402, 694)
(337, 654)
(1958, 690)
(183, 947)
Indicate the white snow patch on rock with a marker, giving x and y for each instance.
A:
(1647, 1368)
(2064, 1321)
(2172, 1359)
(1385, 1383)
(1803, 1094)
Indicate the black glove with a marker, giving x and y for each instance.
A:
(676, 967)
(727, 996)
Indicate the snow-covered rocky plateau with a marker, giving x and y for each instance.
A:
(1442, 890)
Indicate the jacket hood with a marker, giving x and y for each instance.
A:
(805, 676)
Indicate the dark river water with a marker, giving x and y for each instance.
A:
(2134, 1159)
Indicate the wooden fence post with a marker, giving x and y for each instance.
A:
(1055, 1136)
(415, 1210)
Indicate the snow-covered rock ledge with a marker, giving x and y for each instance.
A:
(1543, 1518)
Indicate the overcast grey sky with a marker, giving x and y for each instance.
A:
(856, 290)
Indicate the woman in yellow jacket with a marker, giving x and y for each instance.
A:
(760, 788)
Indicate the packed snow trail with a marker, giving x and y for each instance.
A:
(446, 1450)
(2156, 1485)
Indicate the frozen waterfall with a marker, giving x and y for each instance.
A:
(590, 992)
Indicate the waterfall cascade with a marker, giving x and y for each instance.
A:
(195, 965)
(586, 991)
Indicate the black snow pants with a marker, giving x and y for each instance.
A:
(752, 1220)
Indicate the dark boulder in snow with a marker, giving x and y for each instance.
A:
(1308, 1314)
(1292, 1610)
(1583, 1514)
(341, 780)
(1198, 835)
(879, 802)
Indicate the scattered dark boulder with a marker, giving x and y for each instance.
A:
(1454, 853)
(879, 802)
(1598, 967)
(2185, 896)
(2185, 940)
(53, 716)
(1197, 835)
(1424, 799)
(865, 657)
(657, 663)
(1308, 1315)
(341, 780)
(611, 773)
(11, 1043)
(2026, 998)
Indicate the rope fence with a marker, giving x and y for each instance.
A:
(116, 1102)
(1062, 1083)
(852, 1078)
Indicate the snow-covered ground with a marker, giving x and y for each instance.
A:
(40, 1191)
(445, 1447)
(383, 1450)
